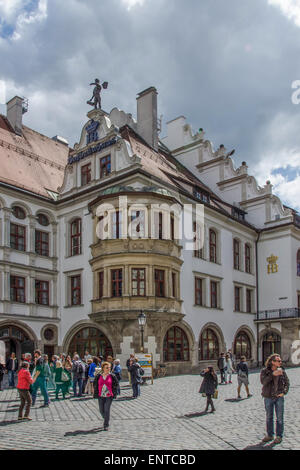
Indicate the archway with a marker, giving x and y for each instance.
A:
(90, 339)
(16, 340)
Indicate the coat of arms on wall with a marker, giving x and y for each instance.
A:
(272, 266)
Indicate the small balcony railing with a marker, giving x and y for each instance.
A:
(278, 313)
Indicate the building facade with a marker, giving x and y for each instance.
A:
(126, 222)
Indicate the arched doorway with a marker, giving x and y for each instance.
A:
(271, 344)
(242, 345)
(208, 345)
(176, 345)
(92, 340)
(16, 341)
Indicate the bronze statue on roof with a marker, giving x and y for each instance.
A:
(96, 99)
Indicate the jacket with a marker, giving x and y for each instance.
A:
(75, 369)
(268, 383)
(221, 363)
(209, 384)
(135, 373)
(24, 379)
(114, 384)
(9, 365)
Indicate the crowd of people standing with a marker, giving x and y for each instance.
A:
(66, 377)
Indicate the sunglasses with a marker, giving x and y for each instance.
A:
(277, 360)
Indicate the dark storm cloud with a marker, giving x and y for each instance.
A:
(227, 66)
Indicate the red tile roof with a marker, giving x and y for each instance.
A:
(32, 161)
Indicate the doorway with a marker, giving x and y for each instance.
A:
(271, 344)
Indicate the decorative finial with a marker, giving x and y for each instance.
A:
(96, 99)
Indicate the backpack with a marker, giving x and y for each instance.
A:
(80, 368)
(142, 372)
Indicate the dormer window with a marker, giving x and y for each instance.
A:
(238, 213)
(201, 195)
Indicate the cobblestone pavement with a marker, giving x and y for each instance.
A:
(167, 416)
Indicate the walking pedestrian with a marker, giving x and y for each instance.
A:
(58, 380)
(221, 367)
(24, 382)
(243, 372)
(78, 370)
(39, 379)
(275, 384)
(228, 369)
(86, 375)
(12, 367)
(117, 370)
(209, 387)
(47, 373)
(136, 379)
(105, 390)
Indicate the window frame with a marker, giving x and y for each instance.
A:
(39, 292)
(117, 283)
(159, 283)
(17, 236)
(139, 281)
(75, 289)
(86, 172)
(76, 249)
(105, 166)
(15, 288)
(236, 254)
(167, 340)
(40, 244)
(248, 258)
(199, 290)
(212, 246)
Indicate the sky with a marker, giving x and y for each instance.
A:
(228, 67)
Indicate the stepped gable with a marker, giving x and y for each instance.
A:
(32, 161)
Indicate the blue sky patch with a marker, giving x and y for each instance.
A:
(289, 172)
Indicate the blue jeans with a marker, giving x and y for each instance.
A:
(11, 378)
(136, 388)
(80, 383)
(41, 384)
(278, 405)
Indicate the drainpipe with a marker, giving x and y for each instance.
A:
(257, 300)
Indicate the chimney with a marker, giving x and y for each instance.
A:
(15, 112)
(147, 116)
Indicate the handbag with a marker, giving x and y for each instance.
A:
(215, 396)
(64, 376)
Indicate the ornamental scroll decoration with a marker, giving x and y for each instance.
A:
(272, 266)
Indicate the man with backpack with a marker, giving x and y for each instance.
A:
(78, 370)
(136, 372)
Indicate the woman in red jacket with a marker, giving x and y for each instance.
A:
(24, 382)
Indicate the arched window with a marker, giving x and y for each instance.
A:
(92, 340)
(76, 237)
(212, 246)
(298, 263)
(247, 258)
(43, 220)
(209, 345)
(176, 345)
(242, 345)
(18, 212)
(236, 254)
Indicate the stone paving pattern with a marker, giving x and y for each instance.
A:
(167, 416)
